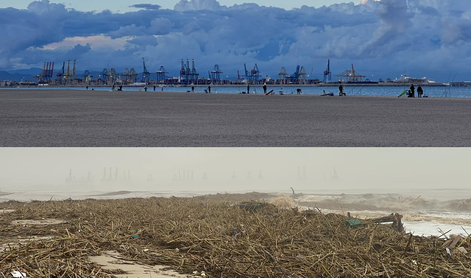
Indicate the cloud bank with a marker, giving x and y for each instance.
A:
(382, 38)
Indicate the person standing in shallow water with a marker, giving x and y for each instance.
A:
(412, 90)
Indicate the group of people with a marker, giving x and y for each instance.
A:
(411, 93)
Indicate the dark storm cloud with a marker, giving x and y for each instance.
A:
(384, 37)
(146, 6)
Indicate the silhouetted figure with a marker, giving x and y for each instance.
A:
(265, 89)
(87, 88)
(154, 88)
(145, 88)
(420, 91)
(112, 88)
(121, 88)
(248, 89)
(209, 89)
(412, 91)
(193, 89)
(341, 93)
(298, 91)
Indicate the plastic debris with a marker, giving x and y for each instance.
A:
(18, 274)
(353, 223)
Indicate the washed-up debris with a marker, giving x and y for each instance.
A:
(190, 234)
(18, 274)
(353, 223)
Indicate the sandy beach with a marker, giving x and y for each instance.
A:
(67, 118)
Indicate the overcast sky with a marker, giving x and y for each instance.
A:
(412, 172)
(125, 5)
(383, 39)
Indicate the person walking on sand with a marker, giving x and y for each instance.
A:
(265, 88)
(420, 91)
(412, 90)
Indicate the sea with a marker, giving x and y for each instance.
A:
(357, 90)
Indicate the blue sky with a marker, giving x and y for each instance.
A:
(383, 39)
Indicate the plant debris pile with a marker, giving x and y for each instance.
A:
(221, 238)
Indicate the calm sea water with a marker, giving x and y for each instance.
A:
(458, 92)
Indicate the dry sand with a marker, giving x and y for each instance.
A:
(114, 261)
(68, 118)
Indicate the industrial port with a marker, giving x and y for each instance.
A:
(67, 76)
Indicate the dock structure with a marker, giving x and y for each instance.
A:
(327, 73)
(351, 75)
(188, 75)
(216, 74)
(282, 76)
(145, 72)
(253, 77)
(161, 74)
(47, 72)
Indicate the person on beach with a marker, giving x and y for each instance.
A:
(298, 91)
(145, 88)
(154, 88)
(420, 91)
(209, 89)
(87, 88)
(327, 94)
(265, 88)
(412, 90)
(248, 89)
(112, 88)
(193, 89)
(341, 93)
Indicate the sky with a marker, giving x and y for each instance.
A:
(412, 172)
(125, 5)
(384, 39)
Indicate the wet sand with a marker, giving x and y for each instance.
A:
(67, 118)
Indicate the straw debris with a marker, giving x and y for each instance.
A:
(220, 238)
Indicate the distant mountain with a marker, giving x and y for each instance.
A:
(4, 75)
(31, 71)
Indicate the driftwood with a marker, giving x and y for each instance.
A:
(219, 238)
(395, 218)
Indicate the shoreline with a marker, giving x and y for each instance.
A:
(236, 85)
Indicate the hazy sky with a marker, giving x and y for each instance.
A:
(384, 39)
(360, 170)
(124, 5)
